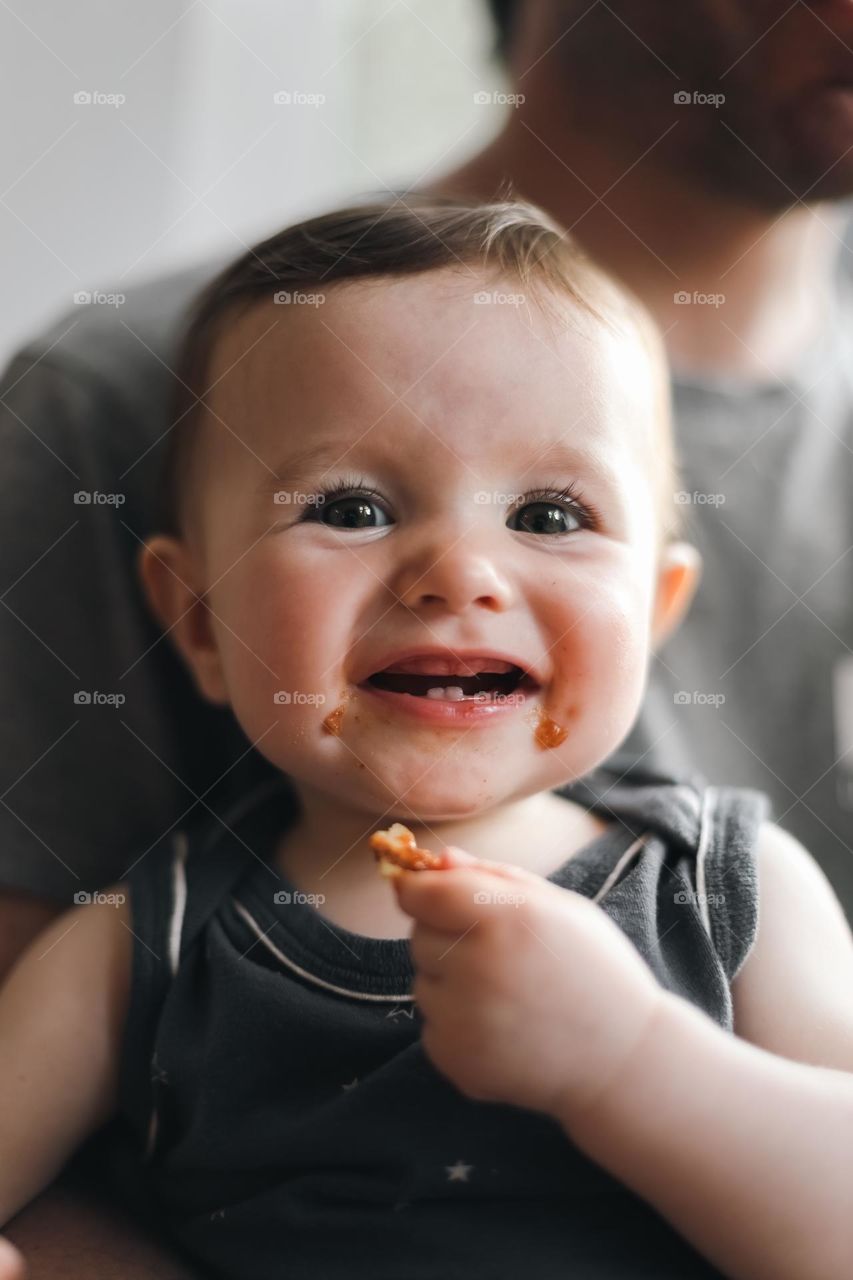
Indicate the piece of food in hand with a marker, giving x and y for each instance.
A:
(395, 851)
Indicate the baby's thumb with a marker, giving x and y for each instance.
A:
(456, 857)
(12, 1265)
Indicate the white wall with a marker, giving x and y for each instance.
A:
(198, 157)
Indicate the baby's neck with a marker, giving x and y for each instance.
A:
(327, 852)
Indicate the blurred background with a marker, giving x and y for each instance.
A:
(180, 130)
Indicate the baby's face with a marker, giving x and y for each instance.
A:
(458, 417)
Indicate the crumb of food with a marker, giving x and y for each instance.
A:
(395, 851)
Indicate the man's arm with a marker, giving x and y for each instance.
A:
(22, 916)
(748, 1154)
(70, 1233)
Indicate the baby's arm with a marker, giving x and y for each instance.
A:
(747, 1148)
(62, 1011)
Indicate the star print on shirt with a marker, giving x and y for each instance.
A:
(158, 1074)
(351, 1084)
(458, 1172)
(394, 1013)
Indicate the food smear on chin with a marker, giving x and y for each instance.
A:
(548, 733)
(395, 851)
(332, 722)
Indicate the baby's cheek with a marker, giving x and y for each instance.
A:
(277, 636)
(600, 663)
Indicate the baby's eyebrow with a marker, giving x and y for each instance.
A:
(527, 457)
(305, 464)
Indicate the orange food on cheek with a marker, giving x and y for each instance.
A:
(548, 733)
(332, 722)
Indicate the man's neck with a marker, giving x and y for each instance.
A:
(668, 241)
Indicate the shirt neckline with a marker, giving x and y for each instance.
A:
(354, 963)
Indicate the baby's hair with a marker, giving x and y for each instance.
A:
(393, 238)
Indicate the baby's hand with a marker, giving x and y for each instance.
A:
(530, 994)
(12, 1265)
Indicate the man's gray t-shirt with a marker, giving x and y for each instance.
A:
(107, 746)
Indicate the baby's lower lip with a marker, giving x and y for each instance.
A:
(444, 711)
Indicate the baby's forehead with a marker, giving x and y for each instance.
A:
(429, 349)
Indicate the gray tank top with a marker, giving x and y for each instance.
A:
(284, 1118)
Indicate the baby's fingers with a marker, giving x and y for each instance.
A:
(455, 857)
(12, 1265)
(452, 903)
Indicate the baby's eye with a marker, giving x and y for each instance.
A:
(558, 513)
(350, 511)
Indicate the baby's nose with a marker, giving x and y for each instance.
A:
(455, 578)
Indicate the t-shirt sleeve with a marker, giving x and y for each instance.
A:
(100, 727)
(71, 624)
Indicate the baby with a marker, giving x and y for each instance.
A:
(420, 539)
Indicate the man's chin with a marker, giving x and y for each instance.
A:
(820, 139)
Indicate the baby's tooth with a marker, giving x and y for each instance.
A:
(449, 693)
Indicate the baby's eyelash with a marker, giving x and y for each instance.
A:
(358, 487)
(572, 496)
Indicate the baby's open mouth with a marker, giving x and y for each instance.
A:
(480, 686)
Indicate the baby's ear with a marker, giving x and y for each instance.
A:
(679, 571)
(170, 580)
